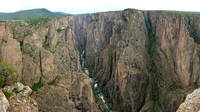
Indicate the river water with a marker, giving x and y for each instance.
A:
(102, 104)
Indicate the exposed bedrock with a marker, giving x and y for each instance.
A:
(144, 61)
(47, 60)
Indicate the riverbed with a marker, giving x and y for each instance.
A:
(99, 97)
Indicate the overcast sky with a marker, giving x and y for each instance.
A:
(88, 6)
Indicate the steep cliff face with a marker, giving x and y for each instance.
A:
(116, 46)
(176, 57)
(144, 61)
(46, 58)
(10, 48)
(121, 66)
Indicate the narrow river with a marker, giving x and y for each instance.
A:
(97, 91)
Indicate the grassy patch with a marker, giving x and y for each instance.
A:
(37, 85)
(8, 74)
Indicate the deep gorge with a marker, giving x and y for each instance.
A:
(102, 104)
(141, 61)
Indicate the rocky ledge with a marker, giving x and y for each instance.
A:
(191, 103)
(17, 98)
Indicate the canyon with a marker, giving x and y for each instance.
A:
(142, 61)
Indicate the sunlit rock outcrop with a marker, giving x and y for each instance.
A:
(191, 103)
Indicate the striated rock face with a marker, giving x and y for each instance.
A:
(191, 103)
(176, 57)
(116, 45)
(144, 61)
(121, 67)
(176, 48)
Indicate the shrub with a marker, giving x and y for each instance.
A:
(46, 44)
(7, 94)
(124, 17)
(27, 49)
(8, 74)
(130, 9)
(91, 68)
(2, 79)
(59, 30)
(37, 85)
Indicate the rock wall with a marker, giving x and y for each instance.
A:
(47, 60)
(144, 60)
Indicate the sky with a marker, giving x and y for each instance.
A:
(90, 6)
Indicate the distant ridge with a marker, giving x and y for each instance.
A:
(31, 14)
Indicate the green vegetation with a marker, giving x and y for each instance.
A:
(37, 85)
(59, 30)
(28, 49)
(153, 69)
(37, 21)
(90, 68)
(7, 94)
(95, 17)
(173, 87)
(59, 43)
(21, 44)
(124, 18)
(130, 9)
(192, 32)
(2, 79)
(46, 43)
(8, 74)
(28, 33)
(192, 15)
(31, 14)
